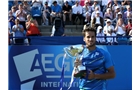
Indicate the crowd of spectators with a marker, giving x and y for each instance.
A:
(109, 17)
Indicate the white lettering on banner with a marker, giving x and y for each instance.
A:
(56, 62)
(57, 84)
(44, 62)
(57, 76)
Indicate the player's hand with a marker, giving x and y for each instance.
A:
(91, 75)
(77, 62)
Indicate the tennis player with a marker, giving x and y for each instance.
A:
(98, 62)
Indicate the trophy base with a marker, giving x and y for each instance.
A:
(80, 73)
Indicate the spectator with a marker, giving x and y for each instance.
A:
(119, 15)
(48, 1)
(11, 19)
(128, 27)
(87, 11)
(27, 7)
(108, 14)
(109, 4)
(59, 2)
(18, 32)
(108, 26)
(58, 28)
(13, 11)
(111, 40)
(120, 28)
(117, 10)
(126, 3)
(104, 5)
(56, 11)
(128, 14)
(100, 39)
(46, 14)
(97, 20)
(116, 6)
(94, 12)
(51, 1)
(16, 4)
(21, 15)
(82, 2)
(70, 2)
(67, 11)
(95, 4)
(77, 11)
(10, 33)
(32, 27)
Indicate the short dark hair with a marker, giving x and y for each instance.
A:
(54, 2)
(17, 20)
(46, 3)
(66, 2)
(89, 29)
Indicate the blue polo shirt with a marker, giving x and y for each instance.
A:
(18, 33)
(98, 61)
(56, 8)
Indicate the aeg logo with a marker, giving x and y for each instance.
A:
(29, 64)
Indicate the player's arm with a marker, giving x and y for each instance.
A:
(110, 74)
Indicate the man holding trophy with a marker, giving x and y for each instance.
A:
(94, 65)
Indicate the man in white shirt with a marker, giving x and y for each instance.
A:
(77, 10)
(21, 15)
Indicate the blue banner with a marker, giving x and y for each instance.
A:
(39, 67)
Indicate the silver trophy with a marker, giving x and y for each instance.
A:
(76, 52)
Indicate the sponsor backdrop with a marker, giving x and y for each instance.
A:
(39, 67)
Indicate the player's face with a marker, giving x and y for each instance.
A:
(90, 39)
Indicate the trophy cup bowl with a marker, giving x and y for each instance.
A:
(76, 51)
